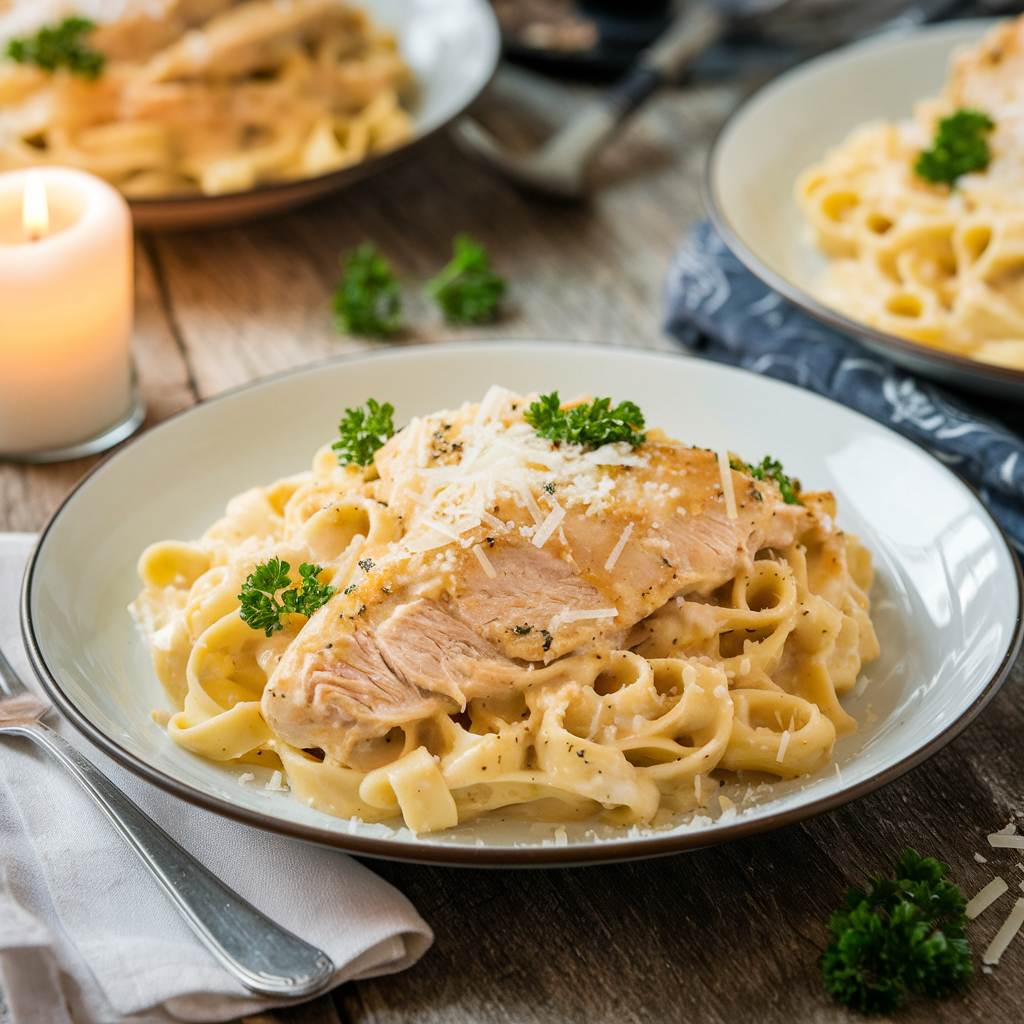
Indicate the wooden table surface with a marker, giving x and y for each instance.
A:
(728, 935)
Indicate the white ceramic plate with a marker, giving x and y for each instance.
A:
(946, 602)
(452, 47)
(789, 125)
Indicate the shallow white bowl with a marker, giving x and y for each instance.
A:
(786, 127)
(946, 602)
(452, 47)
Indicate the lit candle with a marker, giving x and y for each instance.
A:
(65, 309)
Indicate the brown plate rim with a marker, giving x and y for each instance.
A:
(950, 361)
(493, 857)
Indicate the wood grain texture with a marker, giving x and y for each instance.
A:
(725, 936)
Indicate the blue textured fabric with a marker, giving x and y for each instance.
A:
(720, 310)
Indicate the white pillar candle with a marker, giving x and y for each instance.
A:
(65, 308)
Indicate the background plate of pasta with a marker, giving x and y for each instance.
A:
(491, 617)
(209, 111)
(878, 188)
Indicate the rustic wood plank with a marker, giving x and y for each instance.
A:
(29, 494)
(723, 936)
(317, 1011)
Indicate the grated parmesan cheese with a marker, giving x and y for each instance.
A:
(783, 744)
(728, 491)
(985, 897)
(276, 783)
(492, 521)
(617, 550)
(484, 561)
(549, 526)
(531, 503)
(588, 613)
(1005, 935)
(1002, 841)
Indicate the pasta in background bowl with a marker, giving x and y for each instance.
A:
(900, 270)
(938, 262)
(944, 603)
(213, 110)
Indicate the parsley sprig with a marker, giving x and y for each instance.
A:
(591, 424)
(903, 936)
(58, 46)
(960, 147)
(368, 299)
(261, 608)
(467, 290)
(771, 469)
(363, 431)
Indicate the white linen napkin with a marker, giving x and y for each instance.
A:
(88, 937)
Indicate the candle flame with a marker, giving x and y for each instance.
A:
(35, 211)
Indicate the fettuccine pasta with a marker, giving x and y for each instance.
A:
(518, 627)
(940, 265)
(210, 96)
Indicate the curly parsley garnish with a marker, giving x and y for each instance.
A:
(591, 424)
(903, 936)
(368, 300)
(960, 147)
(467, 290)
(363, 431)
(770, 469)
(261, 608)
(60, 46)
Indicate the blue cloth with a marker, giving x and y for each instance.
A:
(720, 310)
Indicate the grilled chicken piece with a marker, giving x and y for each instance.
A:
(145, 26)
(251, 37)
(437, 620)
(992, 72)
(367, 679)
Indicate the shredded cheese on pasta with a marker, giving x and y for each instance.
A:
(480, 657)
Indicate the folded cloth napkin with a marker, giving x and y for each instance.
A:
(88, 937)
(720, 310)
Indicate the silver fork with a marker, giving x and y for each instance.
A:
(262, 955)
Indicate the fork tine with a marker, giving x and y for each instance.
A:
(10, 682)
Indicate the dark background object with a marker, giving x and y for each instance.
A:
(598, 39)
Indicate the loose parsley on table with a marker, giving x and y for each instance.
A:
(591, 424)
(363, 431)
(467, 290)
(903, 936)
(60, 46)
(771, 469)
(368, 300)
(261, 608)
(960, 147)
